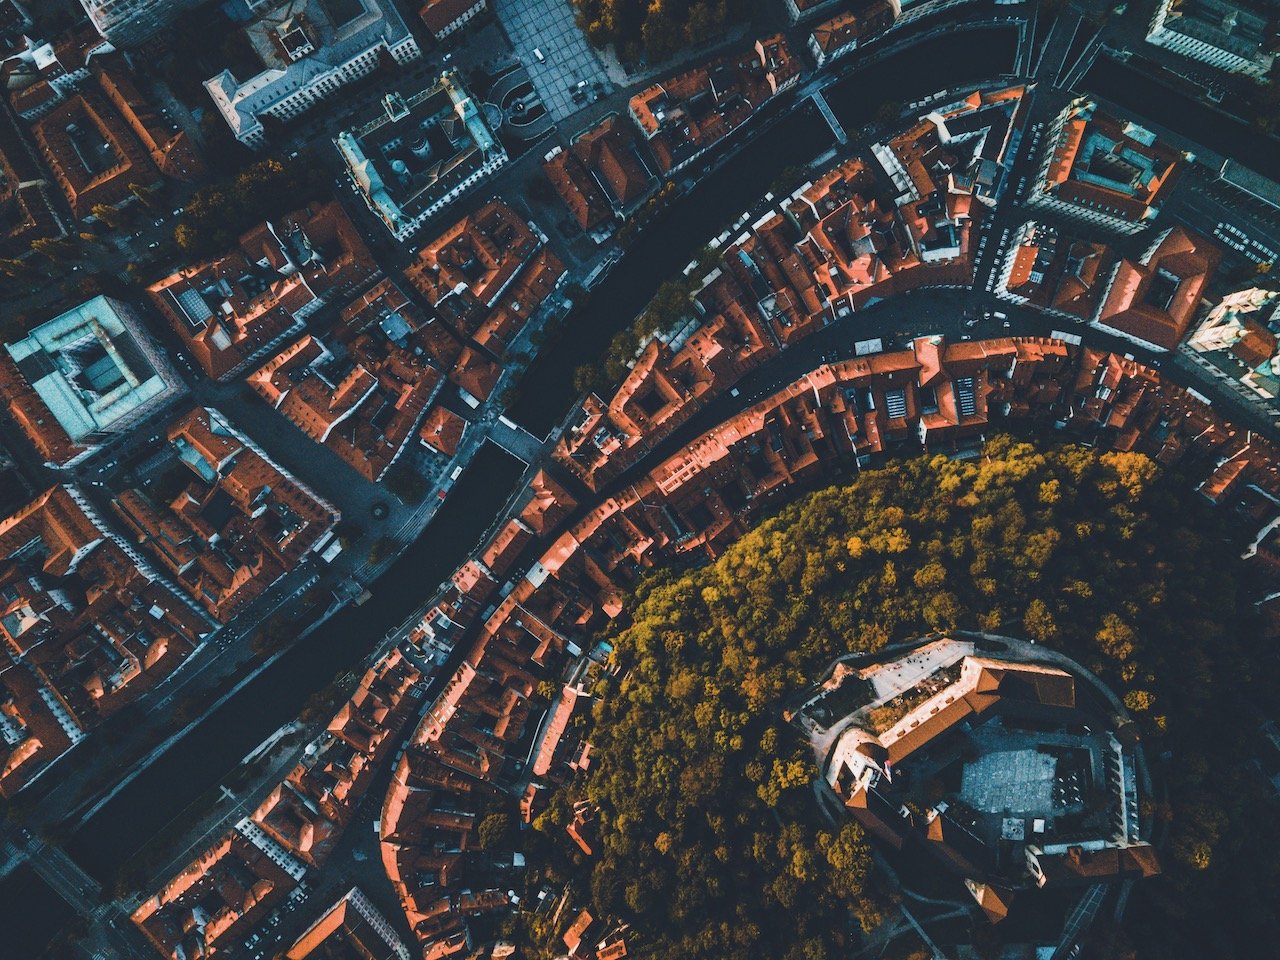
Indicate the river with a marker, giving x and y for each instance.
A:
(199, 761)
(31, 914)
(703, 213)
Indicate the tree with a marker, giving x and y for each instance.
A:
(656, 29)
(145, 195)
(277, 633)
(107, 214)
(661, 32)
(497, 832)
(705, 19)
(16, 269)
(586, 378)
(382, 548)
(56, 249)
(406, 483)
(1038, 621)
(704, 796)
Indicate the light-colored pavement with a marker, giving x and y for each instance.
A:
(568, 68)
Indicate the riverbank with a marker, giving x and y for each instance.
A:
(198, 761)
(547, 391)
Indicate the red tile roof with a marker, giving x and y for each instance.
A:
(230, 310)
(686, 114)
(442, 430)
(90, 174)
(83, 623)
(262, 518)
(1155, 298)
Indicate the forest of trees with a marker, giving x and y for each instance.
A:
(712, 841)
(216, 215)
(656, 29)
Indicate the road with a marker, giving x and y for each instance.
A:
(927, 312)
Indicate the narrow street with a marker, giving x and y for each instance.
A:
(1056, 66)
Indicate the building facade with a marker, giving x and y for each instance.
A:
(443, 17)
(132, 21)
(842, 34)
(309, 56)
(1223, 35)
(84, 377)
(421, 154)
(1104, 170)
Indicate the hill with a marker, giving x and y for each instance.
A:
(713, 846)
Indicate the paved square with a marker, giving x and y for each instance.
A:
(1020, 781)
(567, 59)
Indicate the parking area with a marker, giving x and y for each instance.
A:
(568, 75)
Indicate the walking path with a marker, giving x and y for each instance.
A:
(824, 108)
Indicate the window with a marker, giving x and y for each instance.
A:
(895, 403)
(966, 396)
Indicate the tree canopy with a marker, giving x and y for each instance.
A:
(713, 844)
(216, 215)
(656, 29)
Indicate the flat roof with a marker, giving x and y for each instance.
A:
(1264, 188)
(87, 368)
(419, 148)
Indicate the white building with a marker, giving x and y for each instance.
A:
(128, 22)
(1223, 35)
(444, 17)
(96, 371)
(310, 49)
(1237, 340)
(423, 153)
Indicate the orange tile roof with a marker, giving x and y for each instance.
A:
(229, 310)
(92, 627)
(853, 26)
(442, 430)
(1091, 158)
(263, 519)
(168, 146)
(102, 174)
(1155, 298)
(364, 406)
(685, 114)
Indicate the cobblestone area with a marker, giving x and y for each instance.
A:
(567, 60)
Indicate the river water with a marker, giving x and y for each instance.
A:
(205, 756)
(202, 759)
(718, 200)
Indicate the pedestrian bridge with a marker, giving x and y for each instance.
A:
(825, 109)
